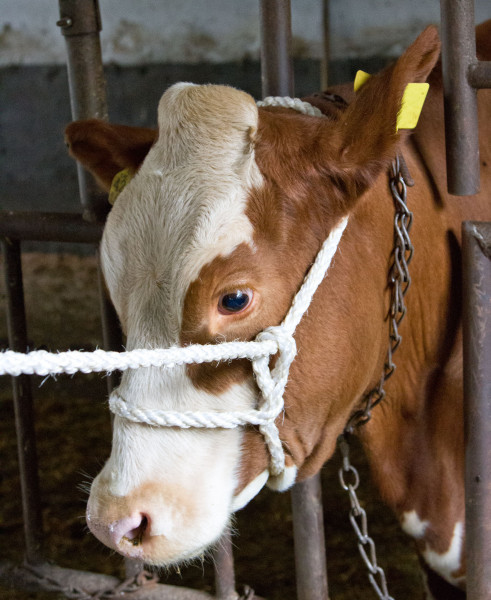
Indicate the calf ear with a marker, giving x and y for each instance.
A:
(366, 137)
(105, 149)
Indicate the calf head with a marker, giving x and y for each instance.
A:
(209, 242)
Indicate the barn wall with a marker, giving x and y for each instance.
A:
(150, 44)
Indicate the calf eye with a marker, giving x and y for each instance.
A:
(235, 302)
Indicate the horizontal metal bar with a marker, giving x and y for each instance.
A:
(57, 579)
(476, 254)
(49, 227)
(479, 75)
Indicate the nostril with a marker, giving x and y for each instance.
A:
(135, 535)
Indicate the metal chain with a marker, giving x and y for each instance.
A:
(358, 519)
(399, 283)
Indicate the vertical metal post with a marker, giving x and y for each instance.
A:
(476, 253)
(308, 532)
(460, 101)
(224, 569)
(276, 64)
(462, 75)
(326, 45)
(24, 414)
(80, 24)
(277, 79)
(310, 552)
(111, 330)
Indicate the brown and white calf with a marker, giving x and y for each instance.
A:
(210, 240)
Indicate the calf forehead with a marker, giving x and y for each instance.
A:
(187, 203)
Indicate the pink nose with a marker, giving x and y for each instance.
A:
(131, 528)
(126, 535)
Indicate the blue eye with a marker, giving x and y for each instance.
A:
(235, 302)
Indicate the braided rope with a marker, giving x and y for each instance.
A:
(273, 340)
(293, 103)
(41, 362)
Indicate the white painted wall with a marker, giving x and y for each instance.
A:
(177, 31)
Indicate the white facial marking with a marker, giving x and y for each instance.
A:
(413, 525)
(251, 490)
(177, 455)
(449, 562)
(185, 207)
(284, 481)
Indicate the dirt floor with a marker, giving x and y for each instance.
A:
(73, 436)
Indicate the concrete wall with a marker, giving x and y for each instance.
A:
(191, 31)
(150, 44)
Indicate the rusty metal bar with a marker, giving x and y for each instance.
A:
(310, 558)
(80, 24)
(82, 584)
(112, 337)
(460, 101)
(277, 79)
(326, 45)
(24, 414)
(224, 569)
(49, 227)
(476, 253)
(310, 549)
(460, 98)
(276, 65)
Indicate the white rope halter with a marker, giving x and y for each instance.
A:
(278, 339)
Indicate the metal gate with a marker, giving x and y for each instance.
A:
(463, 74)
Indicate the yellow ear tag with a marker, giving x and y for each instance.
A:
(360, 79)
(412, 104)
(120, 181)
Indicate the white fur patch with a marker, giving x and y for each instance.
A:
(251, 490)
(185, 207)
(447, 563)
(179, 456)
(284, 481)
(413, 525)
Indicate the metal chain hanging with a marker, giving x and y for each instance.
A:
(359, 522)
(399, 283)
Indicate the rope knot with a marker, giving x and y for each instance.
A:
(283, 339)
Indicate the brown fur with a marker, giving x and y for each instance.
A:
(105, 149)
(316, 170)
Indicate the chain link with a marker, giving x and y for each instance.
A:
(359, 522)
(400, 281)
